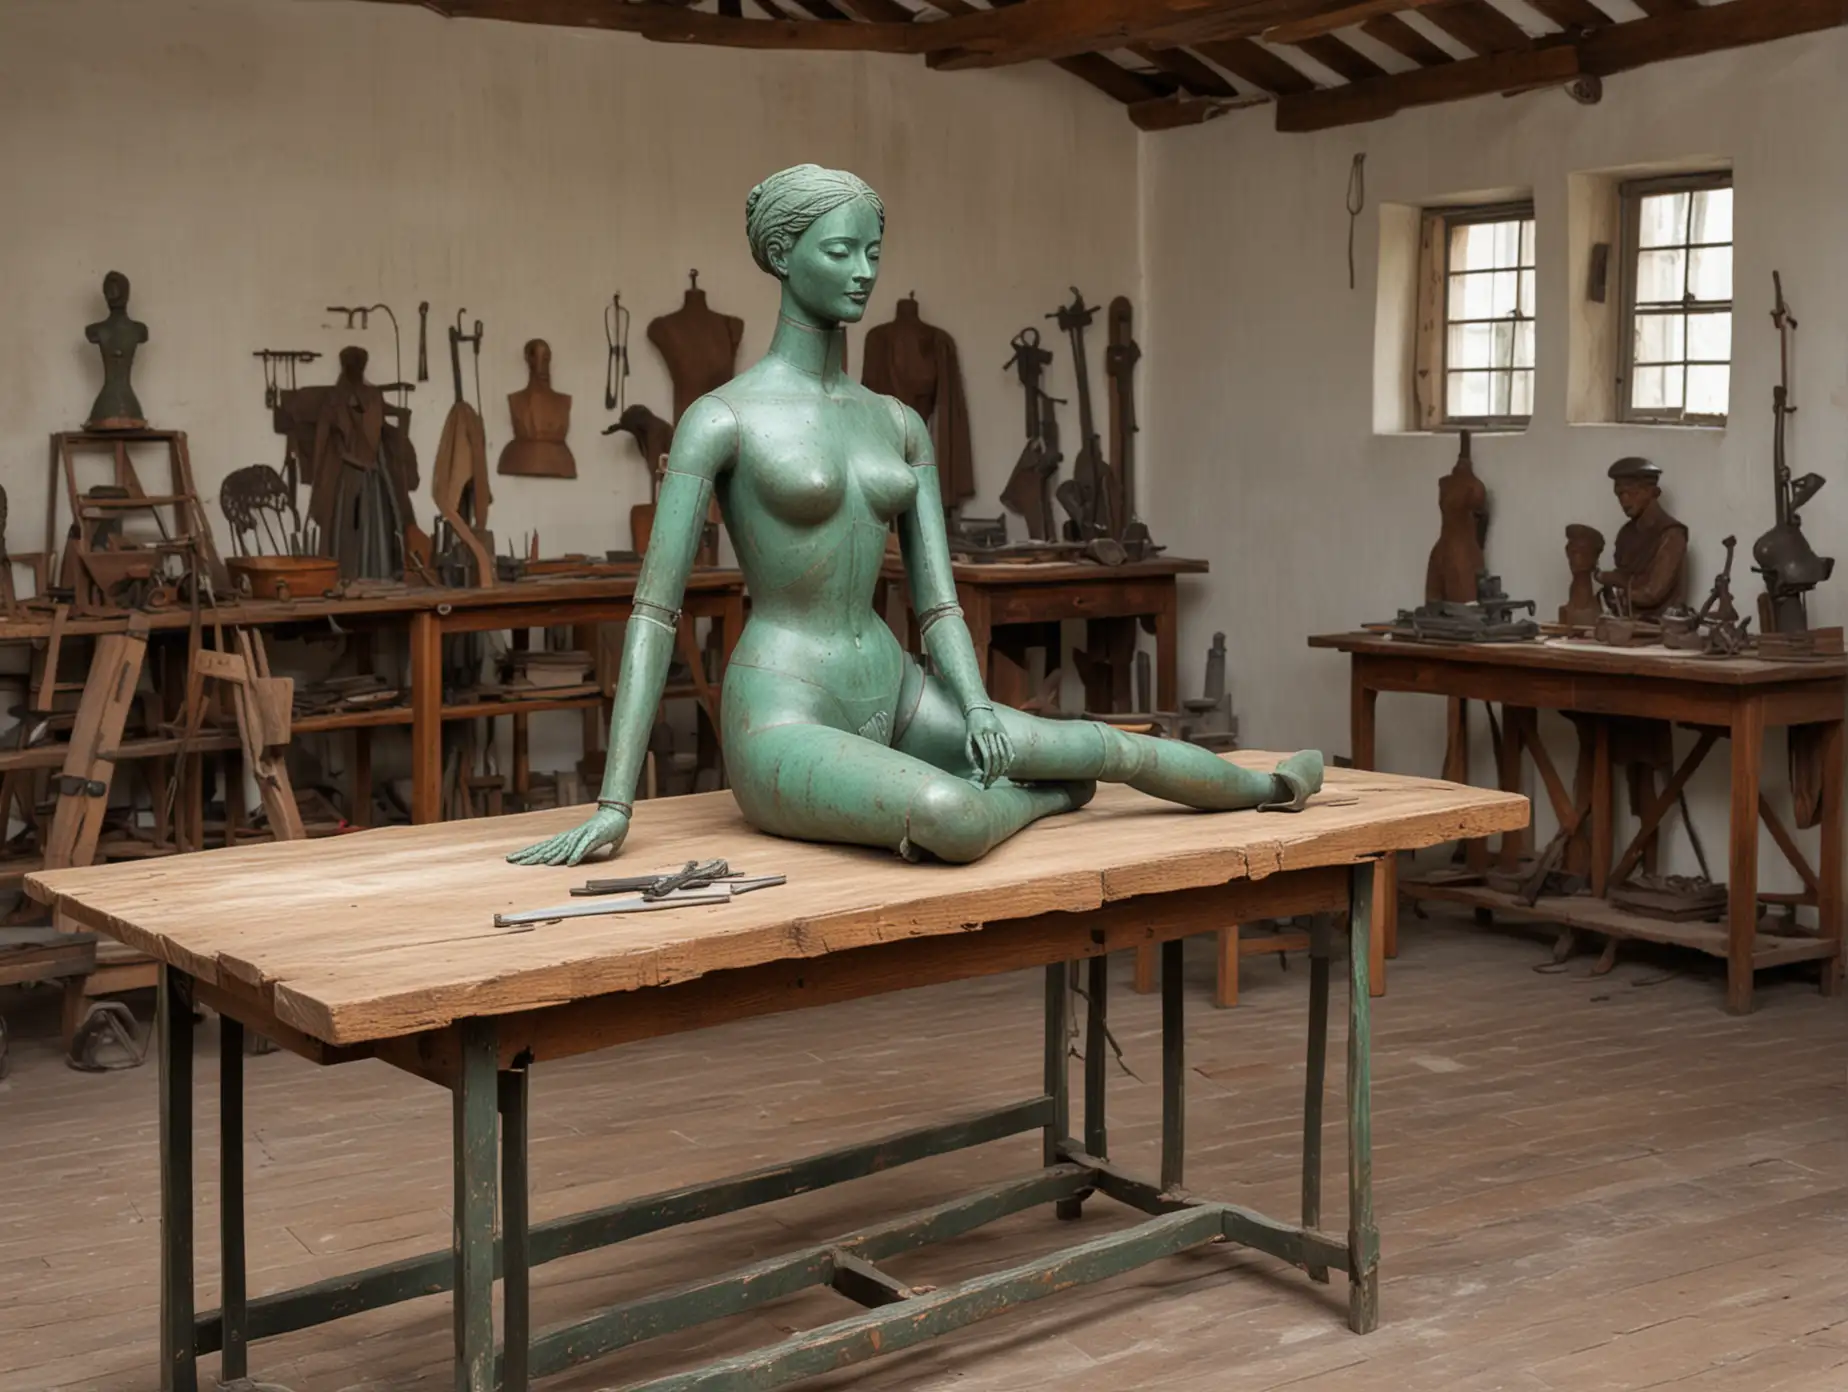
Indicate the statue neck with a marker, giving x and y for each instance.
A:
(808, 344)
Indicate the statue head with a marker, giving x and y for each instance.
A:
(353, 362)
(818, 231)
(1637, 483)
(539, 358)
(1584, 548)
(115, 290)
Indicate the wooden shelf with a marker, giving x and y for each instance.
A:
(1602, 916)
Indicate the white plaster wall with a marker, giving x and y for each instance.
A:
(249, 162)
(1259, 416)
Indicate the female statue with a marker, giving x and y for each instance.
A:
(832, 731)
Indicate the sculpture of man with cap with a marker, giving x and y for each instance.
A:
(1650, 558)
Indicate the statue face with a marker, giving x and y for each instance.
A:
(1582, 555)
(1635, 495)
(834, 265)
(115, 290)
(539, 356)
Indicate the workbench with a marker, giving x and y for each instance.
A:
(997, 597)
(427, 614)
(410, 969)
(1720, 698)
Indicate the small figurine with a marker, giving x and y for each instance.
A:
(541, 420)
(118, 337)
(1584, 549)
(1648, 572)
(1457, 560)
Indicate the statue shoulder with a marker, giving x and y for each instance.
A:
(706, 439)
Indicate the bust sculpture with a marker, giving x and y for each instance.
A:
(1649, 559)
(832, 732)
(1584, 549)
(541, 420)
(117, 337)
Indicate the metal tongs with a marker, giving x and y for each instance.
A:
(696, 882)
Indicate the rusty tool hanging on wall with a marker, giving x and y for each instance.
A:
(423, 341)
(1029, 488)
(279, 365)
(1086, 495)
(1120, 360)
(616, 371)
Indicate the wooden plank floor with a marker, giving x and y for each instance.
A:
(1584, 1185)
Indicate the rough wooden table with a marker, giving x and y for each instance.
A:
(1735, 698)
(382, 944)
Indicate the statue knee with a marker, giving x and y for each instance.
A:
(947, 818)
(1124, 756)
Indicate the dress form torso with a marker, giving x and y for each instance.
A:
(700, 346)
(916, 363)
(1457, 559)
(541, 421)
(116, 406)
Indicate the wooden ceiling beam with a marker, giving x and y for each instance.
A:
(1350, 63)
(1613, 48)
(1572, 14)
(1708, 29)
(1258, 66)
(1399, 36)
(1481, 26)
(1171, 113)
(1469, 77)
(1113, 79)
(1196, 76)
(1294, 31)
(670, 24)
(1664, 7)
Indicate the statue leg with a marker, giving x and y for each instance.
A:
(816, 783)
(1086, 749)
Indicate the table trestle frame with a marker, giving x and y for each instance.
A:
(490, 1110)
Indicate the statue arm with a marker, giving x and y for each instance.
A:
(925, 544)
(704, 447)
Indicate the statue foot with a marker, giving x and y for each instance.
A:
(1298, 778)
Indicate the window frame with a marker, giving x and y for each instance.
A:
(1445, 220)
(1630, 194)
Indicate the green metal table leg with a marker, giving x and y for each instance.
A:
(475, 1160)
(516, 1255)
(1173, 1068)
(1315, 1082)
(173, 1022)
(1363, 1236)
(1058, 1076)
(234, 1359)
(1057, 1085)
(1096, 1050)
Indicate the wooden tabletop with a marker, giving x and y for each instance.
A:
(389, 932)
(1064, 572)
(1580, 655)
(539, 591)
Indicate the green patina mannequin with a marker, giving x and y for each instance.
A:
(832, 732)
(118, 337)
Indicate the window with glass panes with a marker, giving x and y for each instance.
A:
(1489, 315)
(1678, 299)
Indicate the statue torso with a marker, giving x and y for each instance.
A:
(819, 475)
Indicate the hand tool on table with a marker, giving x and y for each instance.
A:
(715, 892)
(695, 874)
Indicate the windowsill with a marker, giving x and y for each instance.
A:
(1451, 433)
(1696, 429)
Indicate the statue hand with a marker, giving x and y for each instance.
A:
(609, 827)
(988, 746)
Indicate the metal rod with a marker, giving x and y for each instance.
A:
(716, 1297)
(927, 1316)
(516, 1268)
(173, 1022)
(474, 1117)
(1363, 1235)
(1096, 1052)
(1057, 1084)
(434, 1272)
(235, 1360)
(1315, 1079)
(1173, 1067)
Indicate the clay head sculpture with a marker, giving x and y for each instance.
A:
(832, 732)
